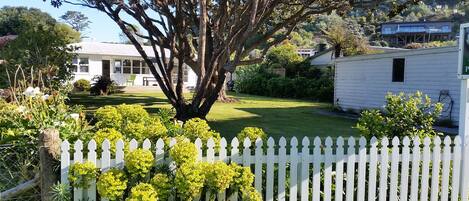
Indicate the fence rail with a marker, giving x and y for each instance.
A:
(341, 169)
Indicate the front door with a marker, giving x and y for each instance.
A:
(106, 68)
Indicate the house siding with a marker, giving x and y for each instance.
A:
(363, 82)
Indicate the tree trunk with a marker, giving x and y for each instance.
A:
(49, 151)
(186, 111)
(223, 96)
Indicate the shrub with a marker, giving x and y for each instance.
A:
(112, 184)
(163, 185)
(219, 177)
(252, 133)
(189, 181)
(108, 117)
(103, 85)
(139, 162)
(199, 128)
(82, 85)
(243, 176)
(403, 115)
(183, 152)
(108, 133)
(133, 113)
(142, 192)
(250, 194)
(81, 174)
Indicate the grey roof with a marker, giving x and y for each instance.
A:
(113, 49)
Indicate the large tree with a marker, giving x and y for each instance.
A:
(76, 20)
(212, 37)
(40, 48)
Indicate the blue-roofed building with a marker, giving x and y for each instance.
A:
(399, 34)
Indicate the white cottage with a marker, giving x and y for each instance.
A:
(120, 62)
(361, 82)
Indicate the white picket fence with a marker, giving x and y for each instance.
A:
(352, 169)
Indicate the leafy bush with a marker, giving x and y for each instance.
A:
(112, 184)
(107, 133)
(103, 85)
(403, 115)
(252, 133)
(162, 184)
(133, 121)
(60, 192)
(199, 128)
(139, 162)
(81, 174)
(82, 85)
(254, 80)
(219, 177)
(183, 152)
(189, 180)
(141, 192)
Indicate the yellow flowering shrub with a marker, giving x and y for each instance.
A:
(243, 176)
(107, 133)
(139, 162)
(163, 185)
(133, 113)
(108, 117)
(198, 128)
(219, 176)
(134, 130)
(250, 194)
(142, 192)
(112, 184)
(252, 133)
(155, 129)
(81, 174)
(183, 152)
(189, 181)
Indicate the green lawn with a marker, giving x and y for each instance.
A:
(278, 117)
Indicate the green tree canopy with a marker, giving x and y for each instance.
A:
(285, 55)
(41, 48)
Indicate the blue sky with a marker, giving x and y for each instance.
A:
(101, 29)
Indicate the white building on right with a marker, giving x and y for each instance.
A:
(362, 82)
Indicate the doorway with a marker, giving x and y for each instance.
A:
(106, 68)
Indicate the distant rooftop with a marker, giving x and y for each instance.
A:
(112, 49)
(428, 27)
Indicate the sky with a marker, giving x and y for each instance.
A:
(101, 29)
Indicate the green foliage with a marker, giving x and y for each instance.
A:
(108, 133)
(81, 174)
(142, 192)
(61, 192)
(183, 152)
(252, 133)
(76, 20)
(219, 177)
(41, 48)
(250, 194)
(162, 185)
(82, 85)
(254, 80)
(243, 176)
(403, 115)
(103, 85)
(112, 184)
(283, 56)
(198, 128)
(189, 180)
(108, 117)
(139, 162)
(133, 121)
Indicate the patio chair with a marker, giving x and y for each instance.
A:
(130, 80)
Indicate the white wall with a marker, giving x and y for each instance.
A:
(95, 68)
(362, 82)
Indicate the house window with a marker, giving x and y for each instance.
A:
(80, 65)
(135, 66)
(398, 66)
(145, 69)
(126, 66)
(117, 66)
(75, 65)
(84, 65)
